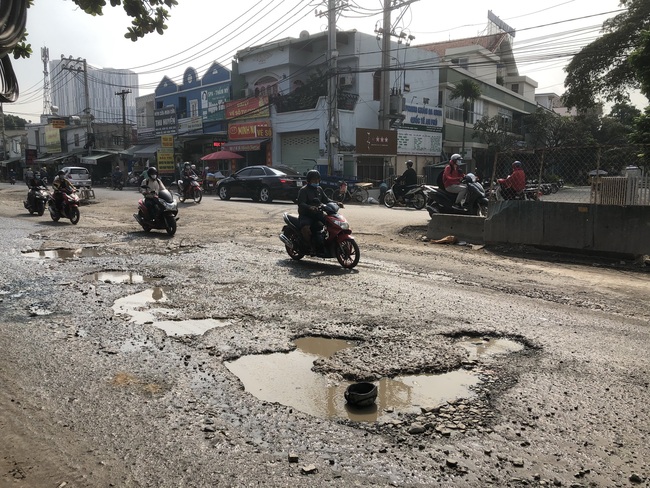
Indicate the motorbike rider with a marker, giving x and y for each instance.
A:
(61, 185)
(12, 175)
(451, 179)
(310, 197)
(33, 184)
(515, 183)
(188, 175)
(151, 186)
(117, 175)
(408, 178)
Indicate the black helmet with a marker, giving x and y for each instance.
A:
(409, 163)
(152, 171)
(61, 172)
(313, 175)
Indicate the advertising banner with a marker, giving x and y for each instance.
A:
(248, 108)
(423, 116)
(378, 142)
(164, 120)
(52, 139)
(416, 142)
(213, 102)
(165, 157)
(166, 141)
(249, 130)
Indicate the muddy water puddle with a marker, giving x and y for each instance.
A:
(86, 252)
(287, 378)
(141, 307)
(490, 346)
(128, 277)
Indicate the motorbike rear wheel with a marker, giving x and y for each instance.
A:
(347, 253)
(419, 201)
(145, 227)
(197, 194)
(74, 215)
(170, 224)
(389, 199)
(295, 251)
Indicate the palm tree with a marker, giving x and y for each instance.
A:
(469, 91)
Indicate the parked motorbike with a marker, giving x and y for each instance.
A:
(528, 193)
(476, 202)
(336, 238)
(193, 190)
(69, 208)
(414, 197)
(37, 198)
(165, 216)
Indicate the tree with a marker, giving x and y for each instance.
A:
(148, 16)
(468, 91)
(491, 131)
(615, 63)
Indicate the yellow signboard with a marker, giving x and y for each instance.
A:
(167, 141)
(165, 158)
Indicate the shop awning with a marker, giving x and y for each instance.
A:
(147, 151)
(10, 160)
(239, 146)
(52, 159)
(92, 159)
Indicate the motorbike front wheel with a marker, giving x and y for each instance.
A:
(419, 201)
(170, 224)
(197, 194)
(481, 210)
(74, 215)
(347, 253)
(389, 199)
(40, 208)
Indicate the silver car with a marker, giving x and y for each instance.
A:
(78, 176)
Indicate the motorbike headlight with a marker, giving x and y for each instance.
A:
(343, 225)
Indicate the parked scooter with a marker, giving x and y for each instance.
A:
(193, 190)
(476, 202)
(37, 198)
(69, 207)
(336, 238)
(414, 197)
(165, 216)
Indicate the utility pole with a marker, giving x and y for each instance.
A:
(79, 65)
(384, 84)
(2, 129)
(125, 139)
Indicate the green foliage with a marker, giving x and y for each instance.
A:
(148, 16)
(641, 134)
(640, 61)
(603, 68)
(491, 131)
(13, 122)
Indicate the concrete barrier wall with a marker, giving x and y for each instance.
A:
(599, 228)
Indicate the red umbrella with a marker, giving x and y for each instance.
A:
(221, 155)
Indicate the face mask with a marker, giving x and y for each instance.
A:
(313, 185)
(153, 177)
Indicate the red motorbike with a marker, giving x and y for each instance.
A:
(193, 190)
(336, 238)
(165, 215)
(68, 207)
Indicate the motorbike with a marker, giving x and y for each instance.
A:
(12, 180)
(165, 216)
(37, 198)
(193, 190)
(414, 197)
(441, 201)
(336, 238)
(117, 183)
(528, 193)
(69, 206)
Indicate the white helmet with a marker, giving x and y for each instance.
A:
(455, 157)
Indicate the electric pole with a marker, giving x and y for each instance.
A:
(125, 139)
(79, 65)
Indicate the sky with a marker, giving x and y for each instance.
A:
(203, 31)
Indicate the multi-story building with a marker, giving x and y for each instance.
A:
(68, 92)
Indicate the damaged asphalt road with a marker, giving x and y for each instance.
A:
(98, 395)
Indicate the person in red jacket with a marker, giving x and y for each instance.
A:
(513, 184)
(451, 177)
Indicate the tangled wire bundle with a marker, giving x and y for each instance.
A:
(13, 18)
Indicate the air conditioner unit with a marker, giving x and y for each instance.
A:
(346, 80)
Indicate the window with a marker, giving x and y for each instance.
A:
(454, 110)
(266, 86)
(76, 140)
(194, 108)
(515, 87)
(462, 62)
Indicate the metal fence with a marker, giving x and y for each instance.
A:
(608, 175)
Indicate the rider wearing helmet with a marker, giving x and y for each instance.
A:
(513, 184)
(408, 178)
(61, 185)
(188, 174)
(150, 187)
(451, 177)
(310, 197)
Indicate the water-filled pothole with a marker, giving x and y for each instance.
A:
(489, 346)
(129, 277)
(85, 252)
(287, 378)
(137, 306)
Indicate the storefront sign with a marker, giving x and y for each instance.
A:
(213, 102)
(374, 141)
(165, 121)
(52, 139)
(248, 108)
(249, 130)
(165, 159)
(418, 142)
(423, 115)
(58, 123)
(167, 141)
